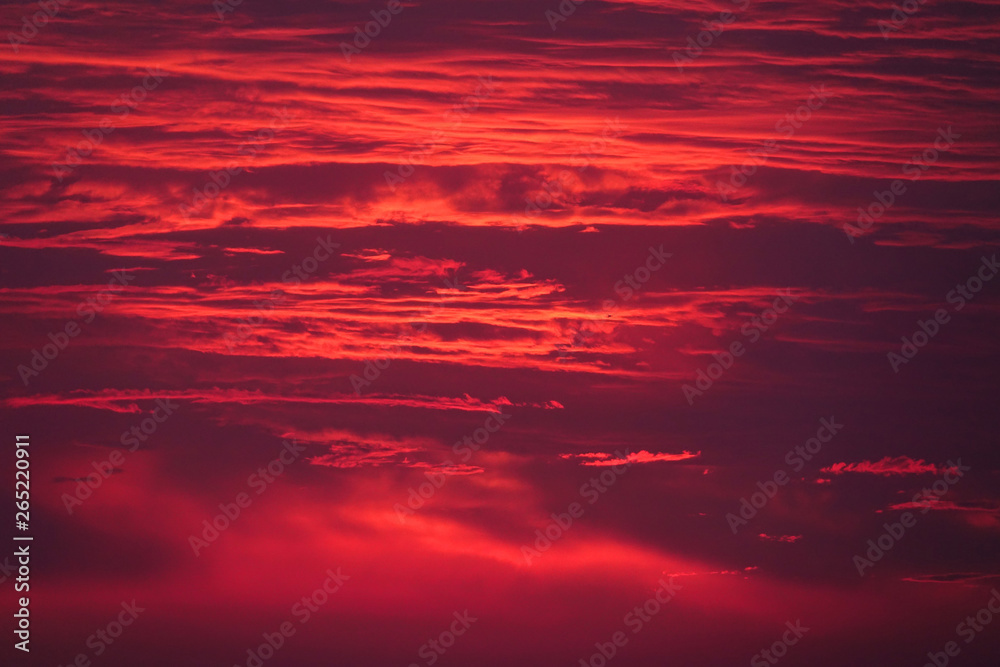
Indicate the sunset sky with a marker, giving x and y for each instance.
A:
(527, 312)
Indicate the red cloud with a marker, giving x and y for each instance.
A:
(933, 503)
(900, 465)
(605, 459)
(790, 539)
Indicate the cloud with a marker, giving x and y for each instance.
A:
(887, 467)
(790, 539)
(629, 458)
(935, 503)
(954, 578)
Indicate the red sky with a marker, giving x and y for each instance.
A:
(528, 266)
